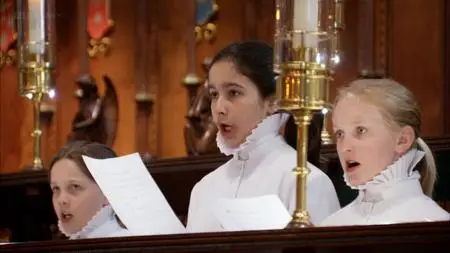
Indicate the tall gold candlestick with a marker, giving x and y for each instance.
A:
(306, 50)
(36, 31)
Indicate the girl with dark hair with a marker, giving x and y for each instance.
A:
(242, 86)
(82, 209)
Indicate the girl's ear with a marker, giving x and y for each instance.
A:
(405, 140)
(271, 103)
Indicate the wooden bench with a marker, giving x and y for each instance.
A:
(26, 197)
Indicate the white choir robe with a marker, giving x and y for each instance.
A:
(393, 196)
(103, 224)
(263, 165)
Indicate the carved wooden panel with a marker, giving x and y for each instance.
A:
(412, 238)
(143, 53)
(446, 93)
(416, 52)
(365, 36)
(381, 36)
(372, 36)
(407, 43)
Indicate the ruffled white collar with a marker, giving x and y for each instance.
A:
(104, 215)
(268, 127)
(400, 170)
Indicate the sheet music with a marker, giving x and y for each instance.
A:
(134, 195)
(257, 213)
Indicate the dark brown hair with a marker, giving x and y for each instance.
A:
(75, 151)
(254, 59)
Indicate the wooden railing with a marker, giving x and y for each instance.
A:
(27, 211)
(411, 238)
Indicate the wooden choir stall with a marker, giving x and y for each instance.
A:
(412, 238)
(27, 213)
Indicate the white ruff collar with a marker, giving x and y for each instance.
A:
(399, 170)
(268, 127)
(104, 215)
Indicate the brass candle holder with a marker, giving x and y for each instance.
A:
(306, 36)
(36, 60)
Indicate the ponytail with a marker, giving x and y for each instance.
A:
(427, 169)
(314, 138)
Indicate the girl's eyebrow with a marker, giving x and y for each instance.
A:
(226, 85)
(233, 85)
(73, 181)
(357, 121)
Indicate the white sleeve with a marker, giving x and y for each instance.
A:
(193, 211)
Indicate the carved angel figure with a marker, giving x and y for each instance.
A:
(96, 119)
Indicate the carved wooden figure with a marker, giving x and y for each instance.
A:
(97, 117)
(200, 131)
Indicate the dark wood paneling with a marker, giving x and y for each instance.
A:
(409, 49)
(381, 37)
(13, 123)
(172, 98)
(416, 56)
(348, 69)
(446, 93)
(250, 19)
(413, 238)
(68, 70)
(264, 20)
(366, 25)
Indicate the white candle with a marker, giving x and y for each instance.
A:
(306, 14)
(36, 25)
(306, 19)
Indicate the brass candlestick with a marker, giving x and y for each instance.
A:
(36, 60)
(306, 39)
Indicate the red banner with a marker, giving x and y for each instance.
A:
(7, 29)
(99, 22)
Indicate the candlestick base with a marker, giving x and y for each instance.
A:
(300, 219)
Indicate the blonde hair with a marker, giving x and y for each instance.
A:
(399, 109)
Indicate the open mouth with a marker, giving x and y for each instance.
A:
(66, 217)
(351, 165)
(224, 128)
